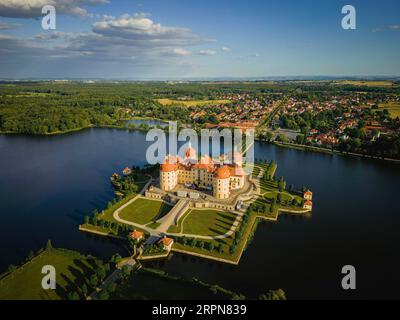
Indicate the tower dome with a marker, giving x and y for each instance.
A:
(190, 153)
(223, 172)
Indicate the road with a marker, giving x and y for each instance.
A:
(111, 279)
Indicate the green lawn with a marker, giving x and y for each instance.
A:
(226, 243)
(208, 222)
(25, 283)
(144, 211)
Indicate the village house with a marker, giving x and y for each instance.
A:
(136, 235)
(127, 171)
(307, 205)
(308, 195)
(167, 243)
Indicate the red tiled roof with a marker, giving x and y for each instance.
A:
(168, 167)
(166, 241)
(223, 172)
(136, 234)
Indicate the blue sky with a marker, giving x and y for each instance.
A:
(172, 39)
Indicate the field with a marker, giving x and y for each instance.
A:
(144, 211)
(25, 283)
(364, 83)
(208, 222)
(392, 107)
(191, 103)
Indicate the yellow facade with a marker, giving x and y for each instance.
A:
(202, 178)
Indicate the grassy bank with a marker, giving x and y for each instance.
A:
(24, 283)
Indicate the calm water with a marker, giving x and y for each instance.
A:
(47, 184)
(151, 123)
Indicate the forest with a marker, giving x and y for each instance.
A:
(50, 107)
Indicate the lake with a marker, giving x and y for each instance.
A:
(48, 185)
(151, 123)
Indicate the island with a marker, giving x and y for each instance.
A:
(203, 207)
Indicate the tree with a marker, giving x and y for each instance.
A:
(49, 246)
(101, 273)
(201, 244)
(214, 289)
(107, 267)
(279, 198)
(116, 258)
(75, 296)
(111, 287)
(281, 184)
(30, 255)
(104, 295)
(12, 268)
(282, 138)
(125, 271)
(84, 290)
(272, 207)
(87, 219)
(300, 139)
(269, 136)
(273, 295)
(94, 280)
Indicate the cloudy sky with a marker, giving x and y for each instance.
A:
(171, 39)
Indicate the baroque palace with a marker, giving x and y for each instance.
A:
(206, 174)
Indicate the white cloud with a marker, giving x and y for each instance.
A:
(139, 27)
(394, 27)
(33, 8)
(130, 42)
(9, 26)
(178, 52)
(207, 52)
(226, 49)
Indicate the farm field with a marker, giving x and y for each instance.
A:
(364, 83)
(392, 107)
(191, 103)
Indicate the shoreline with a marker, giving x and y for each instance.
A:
(327, 151)
(295, 146)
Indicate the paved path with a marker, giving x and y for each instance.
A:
(111, 279)
(173, 216)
